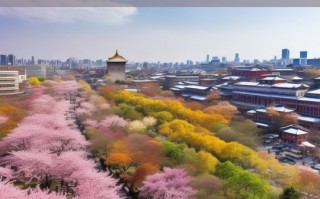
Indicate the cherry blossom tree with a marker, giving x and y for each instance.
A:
(113, 120)
(9, 191)
(171, 184)
(44, 147)
(5, 173)
(91, 123)
(29, 164)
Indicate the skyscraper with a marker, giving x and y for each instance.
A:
(236, 58)
(285, 54)
(32, 60)
(303, 58)
(303, 54)
(11, 60)
(208, 59)
(3, 60)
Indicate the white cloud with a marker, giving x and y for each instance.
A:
(105, 15)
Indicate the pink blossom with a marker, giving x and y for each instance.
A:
(5, 173)
(88, 106)
(43, 144)
(8, 191)
(171, 184)
(91, 123)
(32, 164)
(113, 120)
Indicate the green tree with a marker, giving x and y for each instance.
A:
(173, 152)
(242, 184)
(163, 116)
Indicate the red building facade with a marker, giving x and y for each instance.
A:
(250, 73)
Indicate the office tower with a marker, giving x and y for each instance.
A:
(303, 54)
(11, 60)
(224, 59)
(3, 60)
(208, 59)
(285, 54)
(32, 60)
(237, 58)
(303, 58)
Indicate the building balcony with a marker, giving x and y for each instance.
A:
(9, 88)
(6, 77)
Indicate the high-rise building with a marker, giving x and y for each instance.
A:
(208, 59)
(11, 60)
(303, 54)
(32, 60)
(3, 60)
(224, 59)
(285, 54)
(237, 58)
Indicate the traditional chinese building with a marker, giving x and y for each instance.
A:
(172, 80)
(253, 94)
(193, 92)
(248, 95)
(116, 67)
(249, 72)
(294, 134)
(272, 80)
(262, 117)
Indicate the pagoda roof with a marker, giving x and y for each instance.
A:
(117, 58)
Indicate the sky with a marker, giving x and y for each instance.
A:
(158, 34)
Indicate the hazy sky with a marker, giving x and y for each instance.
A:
(159, 34)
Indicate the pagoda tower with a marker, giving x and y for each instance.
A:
(116, 66)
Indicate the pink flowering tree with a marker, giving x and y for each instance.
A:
(113, 121)
(45, 149)
(171, 184)
(9, 191)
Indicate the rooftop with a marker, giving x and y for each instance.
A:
(247, 83)
(297, 78)
(198, 87)
(294, 129)
(231, 77)
(317, 92)
(309, 119)
(309, 99)
(282, 69)
(290, 85)
(117, 58)
(273, 78)
(281, 109)
(307, 144)
(278, 108)
(266, 95)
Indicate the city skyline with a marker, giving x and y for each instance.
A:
(159, 34)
